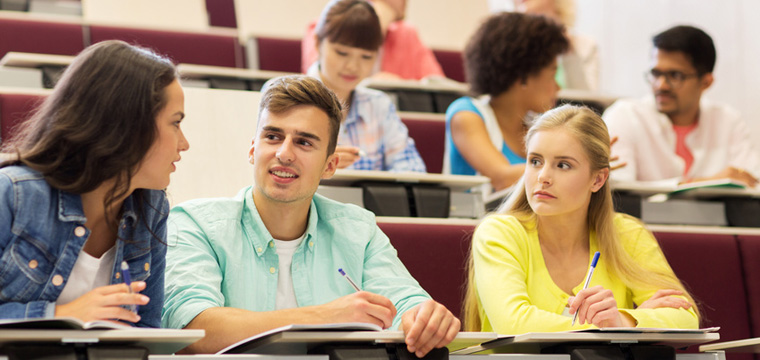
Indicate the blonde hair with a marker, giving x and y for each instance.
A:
(589, 129)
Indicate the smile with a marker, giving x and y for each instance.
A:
(284, 174)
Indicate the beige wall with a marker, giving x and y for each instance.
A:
(219, 126)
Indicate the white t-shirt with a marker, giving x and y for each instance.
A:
(88, 273)
(286, 296)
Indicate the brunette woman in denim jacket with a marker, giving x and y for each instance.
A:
(85, 191)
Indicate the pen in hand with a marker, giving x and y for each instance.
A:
(128, 281)
(348, 278)
(588, 280)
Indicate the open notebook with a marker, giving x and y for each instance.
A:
(247, 344)
(62, 323)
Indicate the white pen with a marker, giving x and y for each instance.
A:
(348, 278)
(588, 280)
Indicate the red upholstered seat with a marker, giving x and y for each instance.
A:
(276, 54)
(14, 109)
(181, 47)
(221, 13)
(435, 255)
(40, 37)
(452, 64)
(749, 247)
(710, 266)
(429, 137)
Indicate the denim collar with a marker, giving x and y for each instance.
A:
(70, 208)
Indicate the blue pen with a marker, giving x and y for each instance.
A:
(348, 278)
(588, 279)
(128, 282)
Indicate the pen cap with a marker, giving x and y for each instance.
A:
(595, 260)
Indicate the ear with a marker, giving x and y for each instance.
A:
(600, 178)
(330, 166)
(706, 81)
(250, 150)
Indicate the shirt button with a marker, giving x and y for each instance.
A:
(311, 244)
(117, 275)
(271, 244)
(33, 264)
(272, 270)
(147, 266)
(259, 249)
(57, 280)
(79, 231)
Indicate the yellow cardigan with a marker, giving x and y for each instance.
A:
(517, 295)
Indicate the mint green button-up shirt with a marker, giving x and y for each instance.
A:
(220, 254)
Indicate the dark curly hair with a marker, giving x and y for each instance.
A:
(510, 47)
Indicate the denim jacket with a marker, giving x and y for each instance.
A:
(42, 232)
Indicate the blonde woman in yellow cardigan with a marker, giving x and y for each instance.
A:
(529, 261)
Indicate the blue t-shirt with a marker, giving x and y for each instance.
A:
(458, 165)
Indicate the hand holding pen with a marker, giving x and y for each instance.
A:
(597, 306)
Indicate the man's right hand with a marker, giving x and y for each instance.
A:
(362, 306)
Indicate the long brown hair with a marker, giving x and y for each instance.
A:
(99, 122)
(589, 129)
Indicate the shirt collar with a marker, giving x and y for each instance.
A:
(260, 236)
(70, 208)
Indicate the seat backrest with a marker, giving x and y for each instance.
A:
(710, 267)
(435, 255)
(452, 64)
(14, 109)
(279, 54)
(749, 247)
(181, 47)
(429, 137)
(40, 37)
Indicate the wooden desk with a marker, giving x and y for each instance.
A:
(454, 182)
(534, 342)
(739, 346)
(157, 341)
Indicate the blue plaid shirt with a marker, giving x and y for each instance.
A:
(373, 125)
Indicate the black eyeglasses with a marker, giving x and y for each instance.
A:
(673, 78)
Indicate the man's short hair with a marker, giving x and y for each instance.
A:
(286, 92)
(693, 42)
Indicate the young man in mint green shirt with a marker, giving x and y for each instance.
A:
(269, 257)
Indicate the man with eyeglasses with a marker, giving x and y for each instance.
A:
(676, 136)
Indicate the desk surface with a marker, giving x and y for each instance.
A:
(455, 182)
(705, 192)
(298, 342)
(744, 346)
(534, 342)
(30, 60)
(158, 341)
(204, 71)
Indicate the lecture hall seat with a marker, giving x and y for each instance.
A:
(43, 37)
(710, 267)
(274, 54)
(452, 64)
(749, 247)
(429, 137)
(181, 47)
(435, 255)
(14, 109)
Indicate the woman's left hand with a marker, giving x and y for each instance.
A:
(666, 298)
(597, 306)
